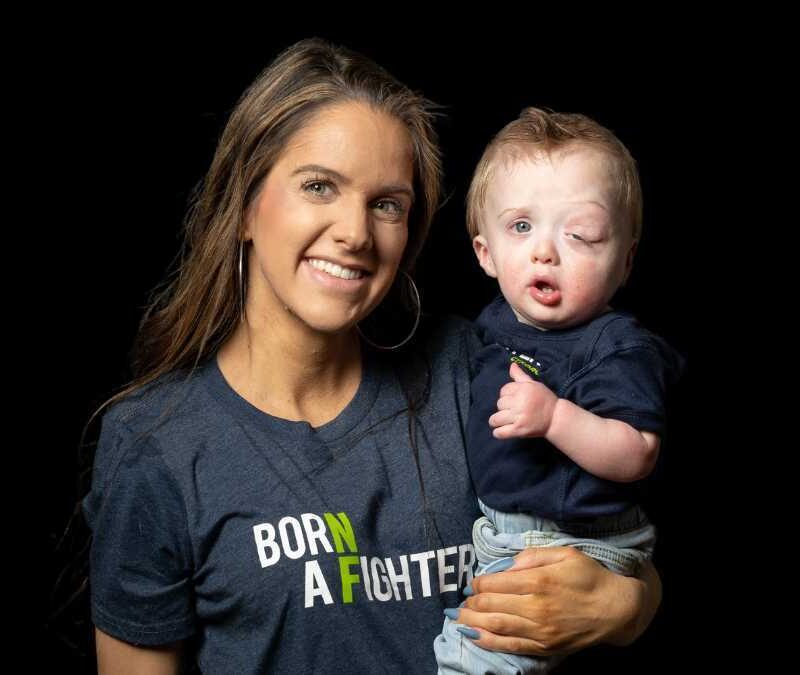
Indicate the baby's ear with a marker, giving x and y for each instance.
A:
(484, 255)
(629, 261)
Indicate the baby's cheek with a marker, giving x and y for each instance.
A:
(511, 277)
(589, 287)
(517, 277)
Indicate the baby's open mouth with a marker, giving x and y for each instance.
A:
(544, 287)
(545, 291)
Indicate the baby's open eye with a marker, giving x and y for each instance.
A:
(522, 226)
(575, 236)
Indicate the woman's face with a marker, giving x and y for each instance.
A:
(330, 222)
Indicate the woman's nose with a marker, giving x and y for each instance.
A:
(353, 229)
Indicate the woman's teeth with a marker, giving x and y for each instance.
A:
(335, 270)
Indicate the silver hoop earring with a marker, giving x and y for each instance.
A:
(415, 295)
(241, 280)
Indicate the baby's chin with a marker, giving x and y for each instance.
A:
(559, 324)
(528, 321)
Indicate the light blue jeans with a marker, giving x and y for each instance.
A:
(621, 543)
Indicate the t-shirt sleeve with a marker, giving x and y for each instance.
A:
(141, 557)
(629, 385)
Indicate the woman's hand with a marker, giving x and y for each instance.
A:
(556, 601)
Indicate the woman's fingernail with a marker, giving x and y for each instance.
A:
(451, 613)
(468, 589)
(471, 633)
(501, 565)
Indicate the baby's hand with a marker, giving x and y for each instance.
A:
(524, 409)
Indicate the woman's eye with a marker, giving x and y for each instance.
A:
(522, 226)
(575, 236)
(319, 188)
(390, 207)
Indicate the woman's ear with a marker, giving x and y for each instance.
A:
(484, 255)
(247, 233)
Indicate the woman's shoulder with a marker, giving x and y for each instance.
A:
(447, 336)
(174, 398)
(445, 329)
(448, 344)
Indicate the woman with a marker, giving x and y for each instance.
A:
(275, 491)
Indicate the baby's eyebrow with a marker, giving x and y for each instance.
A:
(593, 202)
(513, 208)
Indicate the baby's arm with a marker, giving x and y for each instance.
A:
(606, 448)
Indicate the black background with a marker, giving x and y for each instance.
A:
(128, 125)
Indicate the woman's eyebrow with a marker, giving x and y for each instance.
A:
(341, 178)
(318, 168)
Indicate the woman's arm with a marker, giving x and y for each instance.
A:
(123, 658)
(558, 600)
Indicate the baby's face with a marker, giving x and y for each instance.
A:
(553, 237)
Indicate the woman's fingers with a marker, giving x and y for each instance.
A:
(498, 603)
(502, 632)
(552, 600)
(533, 562)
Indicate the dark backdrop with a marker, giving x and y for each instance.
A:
(130, 125)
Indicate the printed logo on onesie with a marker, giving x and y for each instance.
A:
(527, 363)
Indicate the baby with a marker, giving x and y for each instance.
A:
(554, 210)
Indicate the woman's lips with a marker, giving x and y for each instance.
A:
(333, 282)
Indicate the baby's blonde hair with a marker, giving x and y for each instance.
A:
(537, 132)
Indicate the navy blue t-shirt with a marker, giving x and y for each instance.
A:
(278, 546)
(610, 366)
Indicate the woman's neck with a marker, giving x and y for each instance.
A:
(288, 370)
